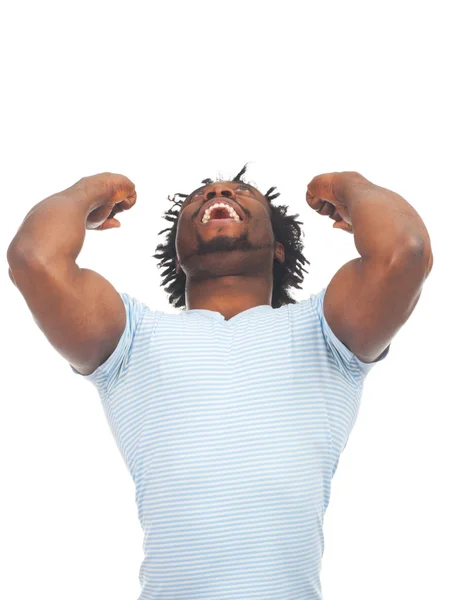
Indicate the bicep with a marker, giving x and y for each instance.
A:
(79, 311)
(367, 302)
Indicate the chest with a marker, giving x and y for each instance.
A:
(218, 382)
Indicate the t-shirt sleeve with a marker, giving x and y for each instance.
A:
(108, 373)
(347, 361)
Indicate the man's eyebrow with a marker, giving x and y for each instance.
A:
(255, 192)
(250, 187)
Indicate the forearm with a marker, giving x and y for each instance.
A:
(55, 227)
(385, 225)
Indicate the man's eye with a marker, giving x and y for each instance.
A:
(243, 187)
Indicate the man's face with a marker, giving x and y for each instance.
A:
(227, 243)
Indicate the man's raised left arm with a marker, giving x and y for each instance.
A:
(371, 297)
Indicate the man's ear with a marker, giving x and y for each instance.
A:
(279, 253)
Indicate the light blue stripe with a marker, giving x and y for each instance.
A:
(232, 432)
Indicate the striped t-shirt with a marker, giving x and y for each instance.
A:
(232, 431)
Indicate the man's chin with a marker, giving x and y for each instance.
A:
(223, 243)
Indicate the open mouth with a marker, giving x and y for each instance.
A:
(220, 211)
(221, 222)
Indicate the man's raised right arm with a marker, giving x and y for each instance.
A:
(79, 311)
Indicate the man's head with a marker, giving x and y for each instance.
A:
(247, 236)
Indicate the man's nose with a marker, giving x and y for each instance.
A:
(220, 189)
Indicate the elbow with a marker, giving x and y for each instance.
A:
(19, 260)
(416, 251)
(15, 253)
(429, 264)
(18, 254)
(11, 276)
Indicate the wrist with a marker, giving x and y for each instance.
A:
(90, 194)
(350, 186)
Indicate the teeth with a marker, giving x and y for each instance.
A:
(231, 211)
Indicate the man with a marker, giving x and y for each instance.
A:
(232, 415)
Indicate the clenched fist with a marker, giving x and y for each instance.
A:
(111, 193)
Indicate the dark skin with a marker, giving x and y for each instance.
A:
(228, 265)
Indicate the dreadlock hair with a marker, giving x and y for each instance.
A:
(286, 230)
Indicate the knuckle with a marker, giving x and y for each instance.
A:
(350, 173)
(113, 185)
(117, 184)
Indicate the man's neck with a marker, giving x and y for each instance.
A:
(229, 295)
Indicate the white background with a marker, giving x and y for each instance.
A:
(169, 94)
